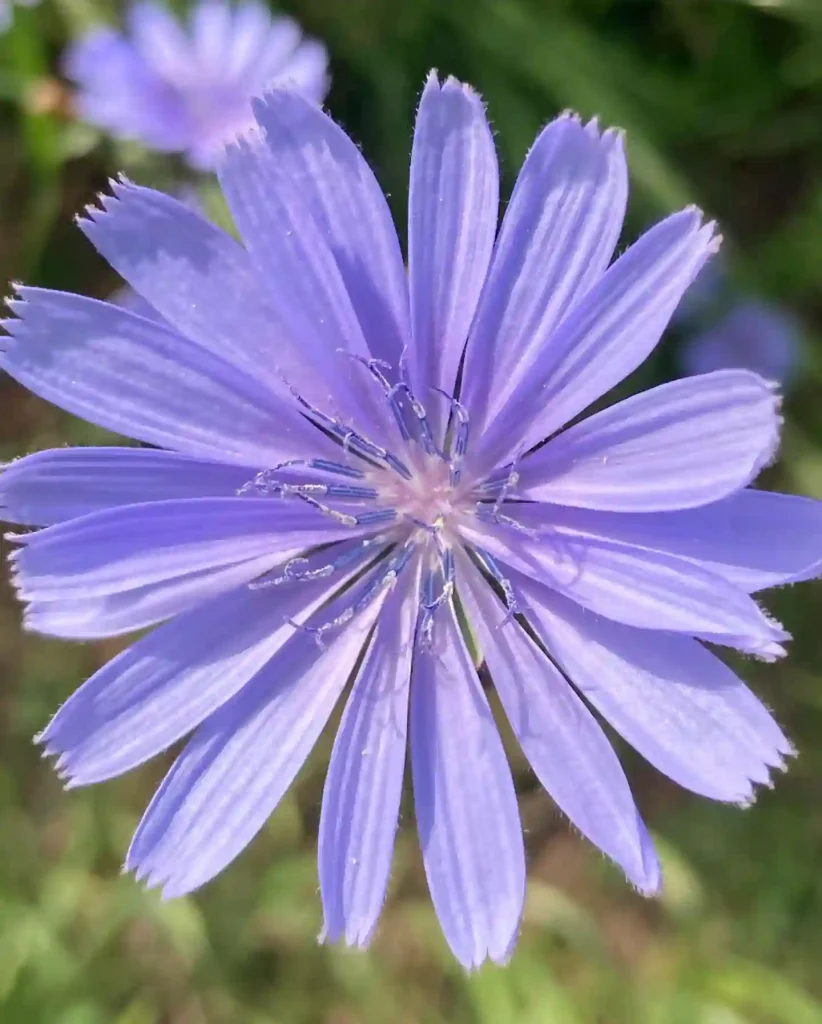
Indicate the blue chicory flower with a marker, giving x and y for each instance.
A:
(725, 331)
(188, 88)
(348, 458)
(751, 335)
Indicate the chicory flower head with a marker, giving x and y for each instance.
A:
(725, 331)
(188, 88)
(349, 463)
(752, 335)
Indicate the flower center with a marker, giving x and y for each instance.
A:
(429, 497)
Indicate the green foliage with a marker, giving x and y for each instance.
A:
(721, 100)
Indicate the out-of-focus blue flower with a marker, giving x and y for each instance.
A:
(188, 88)
(346, 454)
(704, 295)
(724, 331)
(6, 11)
(751, 335)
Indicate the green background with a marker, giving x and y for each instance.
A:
(722, 102)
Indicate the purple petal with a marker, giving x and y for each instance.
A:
(361, 799)
(65, 483)
(197, 277)
(558, 236)
(136, 545)
(320, 169)
(133, 608)
(241, 761)
(754, 539)
(127, 298)
(163, 686)
(561, 739)
(160, 39)
(258, 45)
(676, 446)
(466, 806)
(634, 585)
(132, 376)
(678, 704)
(452, 222)
(611, 330)
(307, 71)
(212, 28)
(301, 257)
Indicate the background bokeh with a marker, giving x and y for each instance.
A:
(722, 102)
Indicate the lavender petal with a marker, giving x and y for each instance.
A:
(240, 762)
(452, 222)
(363, 786)
(563, 743)
(675, 446)
(131, 375)
(466, 806)
(674, 701)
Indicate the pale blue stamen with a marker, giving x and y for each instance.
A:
(383, 580)
(494, 571)
(292, 574)
(431, 599)
(459, 439)
(352, 441)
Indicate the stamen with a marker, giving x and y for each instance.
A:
(373, 367)
(391, 393)
(382, 582)
(329, 491)
(291, 573)
(418, 409)
(334, 467)
(504, 583)
(380, 515)
(341, 517)
(431, 600)
(264, 482)
(486, 514)
(505, 485)
(351, 440)
(510, 481)
(459, 440)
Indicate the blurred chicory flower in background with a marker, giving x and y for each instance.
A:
(349, 457)
(722, 331)
(188, 88)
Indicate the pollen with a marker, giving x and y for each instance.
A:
(428, 497)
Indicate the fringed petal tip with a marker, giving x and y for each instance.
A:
(150, 877)
(353, 936)
(482, 955)
(251, 136)
(105, 202)
(707, 231)
(611, 137)
(61, 759)
(20, 539)
(646, 878)
(452, 84)
(13, 302)
(763, 780)
(272, 95)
